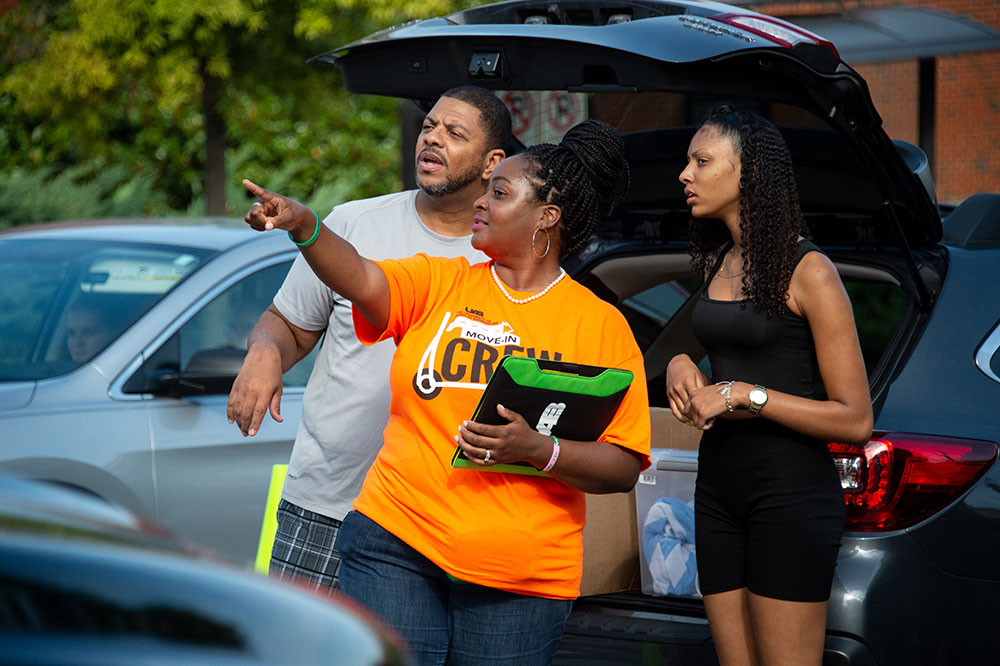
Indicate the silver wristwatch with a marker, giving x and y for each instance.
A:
(758, 398)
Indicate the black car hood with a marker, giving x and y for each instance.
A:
(671, 46)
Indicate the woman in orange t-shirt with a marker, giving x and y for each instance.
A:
(470, 567)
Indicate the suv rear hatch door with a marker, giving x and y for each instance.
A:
(691, 48)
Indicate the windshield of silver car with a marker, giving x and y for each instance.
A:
(64, 301)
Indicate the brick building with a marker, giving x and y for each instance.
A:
(933, 70)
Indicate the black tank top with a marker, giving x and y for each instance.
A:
(744, 344)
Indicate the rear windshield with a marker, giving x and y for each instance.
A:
(656, 127)
(64, 301)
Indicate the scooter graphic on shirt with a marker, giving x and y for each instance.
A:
(468, 359)
(428, 382)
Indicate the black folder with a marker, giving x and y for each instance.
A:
(568, 400)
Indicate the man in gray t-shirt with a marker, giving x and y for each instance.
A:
(346, 401)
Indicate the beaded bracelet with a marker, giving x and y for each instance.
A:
(555, 454)
(312, 239)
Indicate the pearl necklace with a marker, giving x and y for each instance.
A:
(522, 301)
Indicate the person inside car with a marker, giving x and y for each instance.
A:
(787, 376)
(346, 401)
(474, 567)
(88, 330)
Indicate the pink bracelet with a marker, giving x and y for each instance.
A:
(555, 454)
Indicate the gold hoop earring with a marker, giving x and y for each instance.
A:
(548, 242)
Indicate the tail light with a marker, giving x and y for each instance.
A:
(775, 30)
(897, 480)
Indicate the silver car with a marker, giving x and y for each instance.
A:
(119, 343)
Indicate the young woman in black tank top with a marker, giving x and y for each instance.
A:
(787, 376)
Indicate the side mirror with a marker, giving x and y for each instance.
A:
(209, 372)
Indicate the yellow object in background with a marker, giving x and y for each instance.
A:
(270, 525)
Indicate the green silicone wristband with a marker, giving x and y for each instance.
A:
(312, 239)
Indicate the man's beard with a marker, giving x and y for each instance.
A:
(453, 183)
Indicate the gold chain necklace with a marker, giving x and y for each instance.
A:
(731, 275)
(522, 301)
(718, 274)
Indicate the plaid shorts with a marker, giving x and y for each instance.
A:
(304, 549)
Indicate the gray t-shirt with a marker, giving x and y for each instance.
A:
(346, 402)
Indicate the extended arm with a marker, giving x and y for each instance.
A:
(335, 261)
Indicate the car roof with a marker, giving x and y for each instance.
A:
(217, 233)
(681, 46)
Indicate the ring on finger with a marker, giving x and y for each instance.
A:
(487, 458)
(256, 203)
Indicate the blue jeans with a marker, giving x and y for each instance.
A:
(444, 621)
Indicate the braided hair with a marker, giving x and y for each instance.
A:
(771, 219)
(586, 175)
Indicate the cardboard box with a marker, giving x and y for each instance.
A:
(610, 545)
(611, 559)
(666, 432)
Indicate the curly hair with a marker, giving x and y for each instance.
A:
(771, 219)
(586, 175)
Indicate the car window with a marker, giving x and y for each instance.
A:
(657, 127)
(649, 311)
(228, 319)
(64, 301)
(879, 309)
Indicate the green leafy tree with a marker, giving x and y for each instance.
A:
(146, 103)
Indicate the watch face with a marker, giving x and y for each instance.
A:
(758, 396)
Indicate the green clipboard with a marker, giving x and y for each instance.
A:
(569, 400)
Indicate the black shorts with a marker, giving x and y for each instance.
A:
(769, 512)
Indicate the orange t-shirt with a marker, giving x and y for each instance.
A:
(452, 325)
